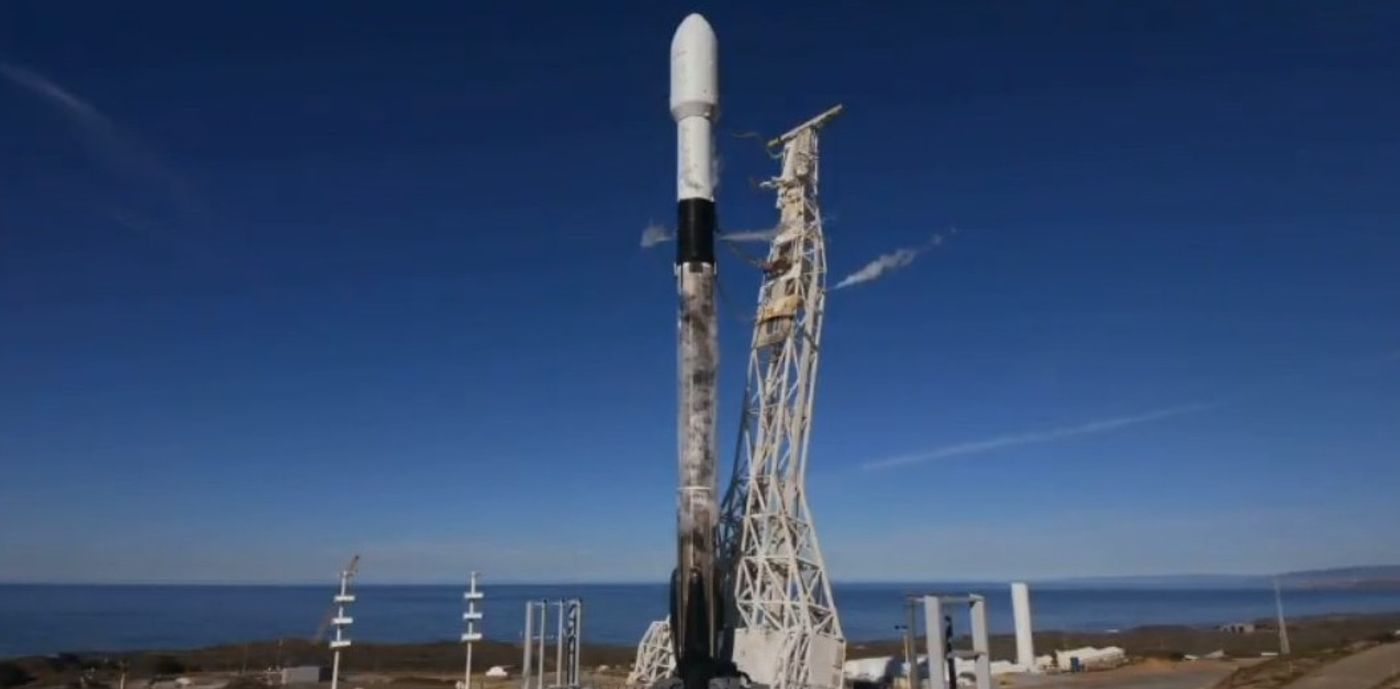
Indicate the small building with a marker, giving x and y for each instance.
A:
(305, 674)
(1238, 628)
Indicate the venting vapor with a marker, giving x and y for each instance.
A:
(892, 261)
(655, 234)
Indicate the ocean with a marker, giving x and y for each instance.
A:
(41, 619)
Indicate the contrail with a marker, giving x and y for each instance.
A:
(115, 148)
(54, 93)
(1037, 437)
(654, 234)
(892, 261)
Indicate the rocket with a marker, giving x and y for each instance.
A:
(696, 607)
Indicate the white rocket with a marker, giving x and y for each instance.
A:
(695, 598)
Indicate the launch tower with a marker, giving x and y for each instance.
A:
(787, 634)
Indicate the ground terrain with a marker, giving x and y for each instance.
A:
(1330, 652)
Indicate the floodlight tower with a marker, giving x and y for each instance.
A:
(786, 633)
(471, 635)
(341, 620)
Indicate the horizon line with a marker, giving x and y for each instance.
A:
(662, 582)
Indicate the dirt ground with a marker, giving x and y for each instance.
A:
(1151, 674)
(1306, 634)
(438, 665)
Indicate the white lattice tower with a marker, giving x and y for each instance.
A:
(787, 633)
(655, 657)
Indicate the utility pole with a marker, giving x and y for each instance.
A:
(1283, 646)
(341, 620)
(472, 616)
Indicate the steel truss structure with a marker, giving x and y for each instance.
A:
(787, 634)
(655, 656)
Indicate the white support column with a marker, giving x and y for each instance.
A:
(980, 643)
(544, 620)
(1021, 612)
(937, 647)
(528, 643)
(559, 647)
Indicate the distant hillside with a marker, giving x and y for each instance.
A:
(1378, 577)
(1372, 577)
(1163, 581)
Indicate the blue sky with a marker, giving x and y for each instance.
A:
(284, 281)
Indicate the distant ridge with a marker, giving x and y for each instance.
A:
(1368, 577)
(1189, 581)
(1376, 577)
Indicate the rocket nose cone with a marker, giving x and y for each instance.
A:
(694, 69)
(693, 30)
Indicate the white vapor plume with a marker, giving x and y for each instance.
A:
(765, 235)
(892, 261)
(1037, 437)
(654, 234)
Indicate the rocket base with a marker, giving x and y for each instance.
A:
(713, 683)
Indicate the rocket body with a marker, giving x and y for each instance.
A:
(695, 598)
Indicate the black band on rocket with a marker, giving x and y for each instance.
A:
(695, 231)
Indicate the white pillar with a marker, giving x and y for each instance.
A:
(1021, 611)
(937, 648)
(544, 620)
(980, 643)
(529, 639)
(559, 648)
